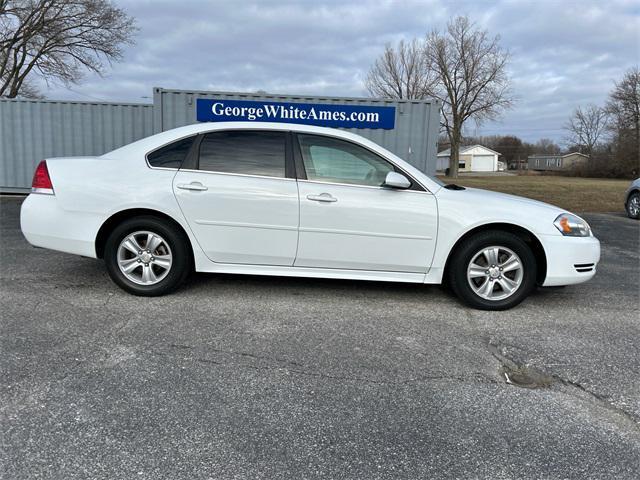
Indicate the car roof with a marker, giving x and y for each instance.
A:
(145, 145)
(162, 138)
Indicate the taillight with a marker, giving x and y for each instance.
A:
(41, 180)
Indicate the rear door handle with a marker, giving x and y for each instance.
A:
(192, 186)
(323, 197)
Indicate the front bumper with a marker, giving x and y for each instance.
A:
(570, 260)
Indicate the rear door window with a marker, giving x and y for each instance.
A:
(248, 152)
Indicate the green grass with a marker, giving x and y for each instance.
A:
(574, 194)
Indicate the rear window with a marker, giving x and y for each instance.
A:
(172, 155)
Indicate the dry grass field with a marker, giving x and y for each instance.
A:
(574, 194)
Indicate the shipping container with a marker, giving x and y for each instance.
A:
(31, 130)
(414, 137)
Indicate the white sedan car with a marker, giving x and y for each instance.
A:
(295, 200)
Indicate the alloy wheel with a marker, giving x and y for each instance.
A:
(634, 205)
(495, 273)
(144, 257)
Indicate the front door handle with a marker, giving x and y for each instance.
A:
(323, 197)
(192, 186)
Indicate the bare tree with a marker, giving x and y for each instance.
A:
(58, 39)
(586, 127)
(401, 72)
(546, 146)
(462, 67)
(624, 108)
(624, 101)
(473, 82)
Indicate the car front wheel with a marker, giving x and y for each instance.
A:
(633, 205)
(147, 256)
(493, 270)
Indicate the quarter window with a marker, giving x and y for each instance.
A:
(332, 160)
(244, 152)
(172, 155)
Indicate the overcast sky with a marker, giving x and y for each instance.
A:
(563, 53)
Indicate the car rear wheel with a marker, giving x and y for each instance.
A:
(147, 256)
(633, 205)
(493, 270)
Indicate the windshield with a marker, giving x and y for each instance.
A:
(436, 180)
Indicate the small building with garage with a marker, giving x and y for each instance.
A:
(472, 158)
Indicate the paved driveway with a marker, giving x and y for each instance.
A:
(252, 377)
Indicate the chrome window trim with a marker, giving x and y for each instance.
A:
(407, 190)
(234, 174)
(162, 168)
(299, 180)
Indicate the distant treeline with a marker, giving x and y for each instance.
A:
(608, 134)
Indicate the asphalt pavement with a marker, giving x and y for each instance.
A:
(236, 377)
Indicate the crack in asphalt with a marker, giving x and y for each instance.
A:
(513, 365)
(241, 354)
(473, 377)
(602, 401)
(296, 368)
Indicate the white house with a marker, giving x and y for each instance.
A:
(474, 158)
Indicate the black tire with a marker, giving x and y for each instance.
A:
(178, 242)
(635, 196)
(464, 254)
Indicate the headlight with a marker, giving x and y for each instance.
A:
(572, 225)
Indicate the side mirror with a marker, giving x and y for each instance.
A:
(396, 180)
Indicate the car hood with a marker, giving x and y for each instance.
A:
(486, 196)
(472, 207)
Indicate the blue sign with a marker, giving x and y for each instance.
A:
(325, 115)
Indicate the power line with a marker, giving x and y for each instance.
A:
(87, 96)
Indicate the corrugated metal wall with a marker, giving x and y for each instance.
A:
(31, 130)
(413, 139)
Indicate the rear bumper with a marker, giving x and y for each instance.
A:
(570, 260)
(44, 224)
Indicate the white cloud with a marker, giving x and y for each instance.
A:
(564, 53)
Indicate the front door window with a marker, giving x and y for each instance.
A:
(332, 160)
